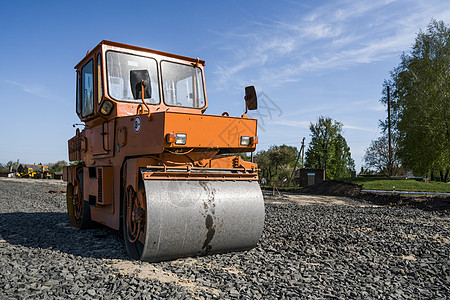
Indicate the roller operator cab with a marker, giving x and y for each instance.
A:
(151, 163)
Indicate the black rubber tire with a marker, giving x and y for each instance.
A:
(134, 250)
(85, 221)
(69, 201)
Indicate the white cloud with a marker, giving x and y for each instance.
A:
(290, 123)
(306, 124)
(37, 90)
(337, 108)
(360, 128)
(336, 35)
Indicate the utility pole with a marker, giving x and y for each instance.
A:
(389, 131)
(302, 150)
(303, 153)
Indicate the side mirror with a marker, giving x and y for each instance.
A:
(251, 100)
(136, 78)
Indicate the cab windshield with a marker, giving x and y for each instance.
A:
(182, 85)
(119, 66)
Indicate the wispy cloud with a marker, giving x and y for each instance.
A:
(290, 123)
(306, 124)
(360, 128)
(350, 108)
(336, 35)
(37, 90)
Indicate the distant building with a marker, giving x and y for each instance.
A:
(58, 175)
(307, 177)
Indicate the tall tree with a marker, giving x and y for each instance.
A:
(377, 157)
(420, 102)
(328, 149)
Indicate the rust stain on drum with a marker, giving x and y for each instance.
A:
(209, 207)
(209, 222)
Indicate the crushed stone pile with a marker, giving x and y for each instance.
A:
(306, 251)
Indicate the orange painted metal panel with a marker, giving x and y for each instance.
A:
(208, 131)
(199, 176)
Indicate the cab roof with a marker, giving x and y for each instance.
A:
(136, 48)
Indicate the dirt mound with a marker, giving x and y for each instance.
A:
(345, 189)
(334, 188)
(435, 203)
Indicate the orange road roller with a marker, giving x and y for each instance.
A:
(150, 162)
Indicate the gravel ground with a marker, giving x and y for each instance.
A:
(315, 251)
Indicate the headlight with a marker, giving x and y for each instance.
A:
(177, 138)
(180, 139)
(106, 107)
(245, 140)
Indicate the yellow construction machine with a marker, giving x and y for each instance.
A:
(46, 173)
(27, 173)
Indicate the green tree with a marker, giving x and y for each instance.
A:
(328, 149)
(57, 167)
(276, 163)
(420, 102)
(7, 167)
(377, 156)
(262, 159)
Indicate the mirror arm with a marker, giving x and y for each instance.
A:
(244, 115)
(143, 101)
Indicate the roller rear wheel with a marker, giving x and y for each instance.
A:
(77, 208)
(133, 224)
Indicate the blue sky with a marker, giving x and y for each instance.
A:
(308, 58)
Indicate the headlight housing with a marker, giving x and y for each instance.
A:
(106, 108)
(249, 140)
(176, 138)
(245, 140)
(180, 139)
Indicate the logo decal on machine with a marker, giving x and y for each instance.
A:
(137, 124)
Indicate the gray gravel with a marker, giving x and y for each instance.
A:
(307, 251)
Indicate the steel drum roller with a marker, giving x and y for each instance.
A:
(188, 218)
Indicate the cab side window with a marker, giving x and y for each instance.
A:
(99, 78)
(87, 89)
(78, 93)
